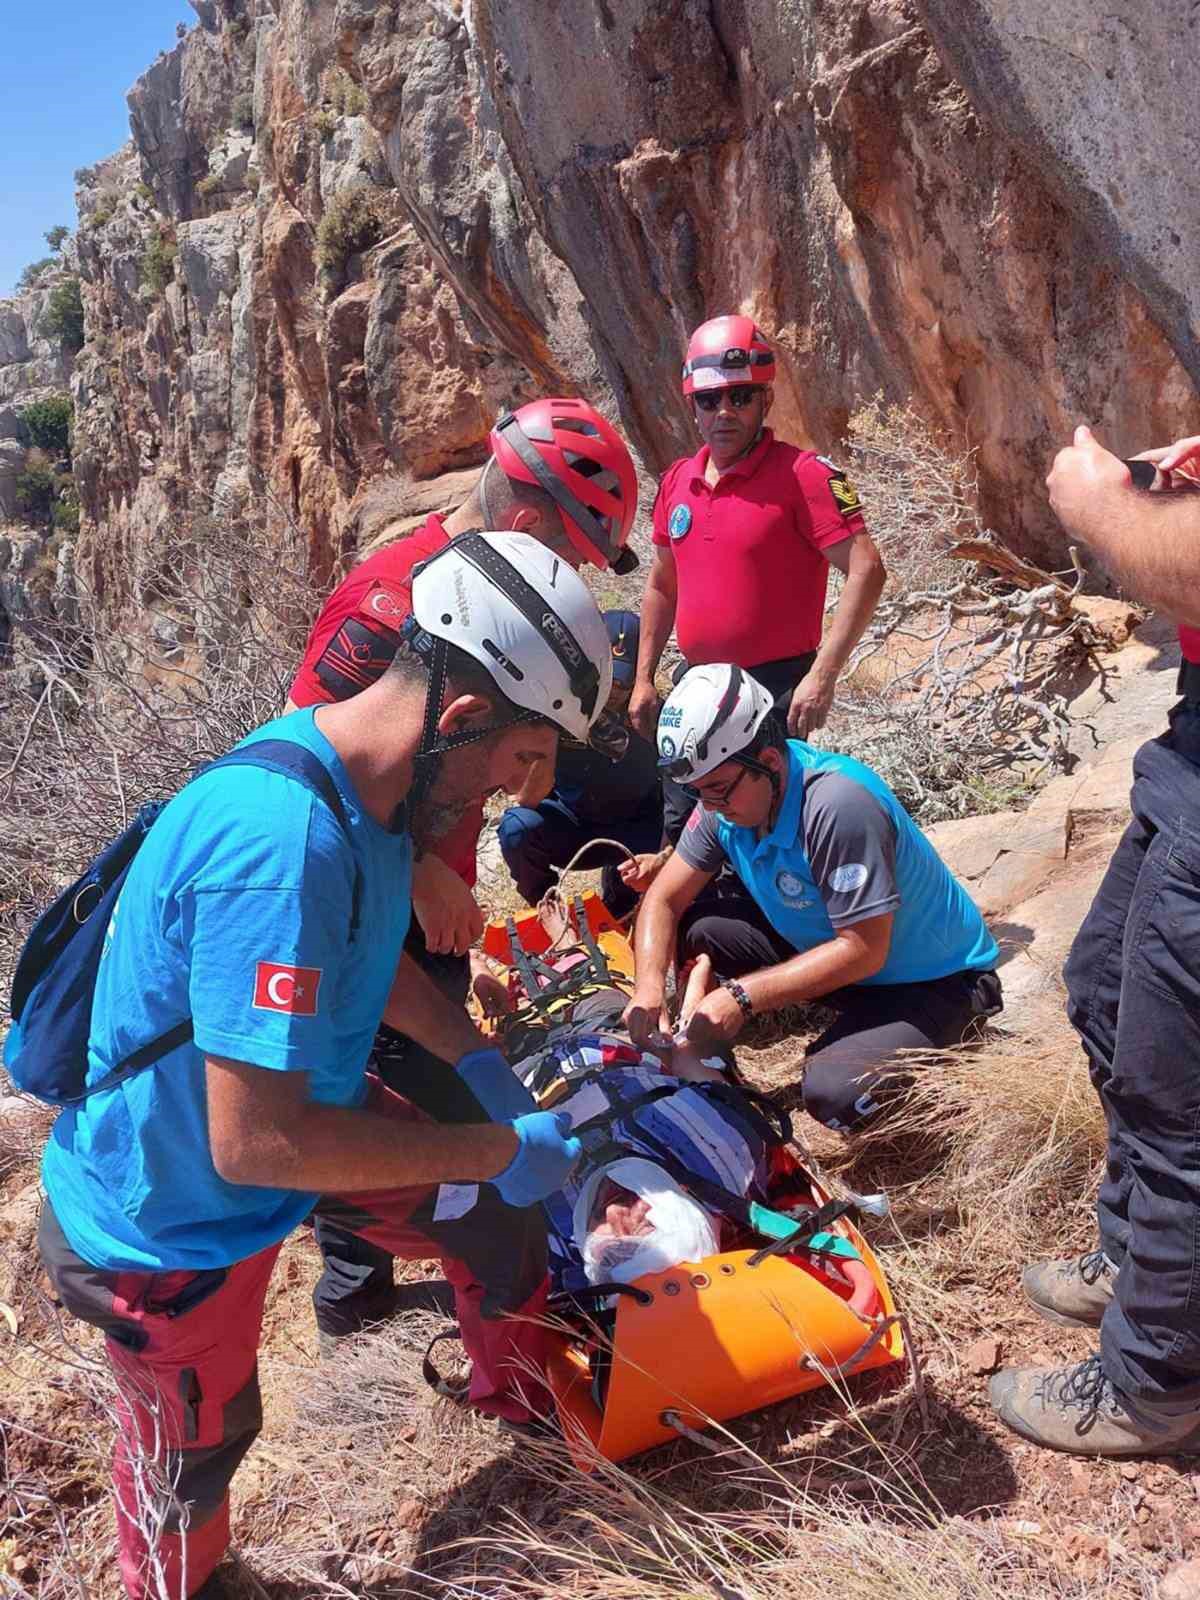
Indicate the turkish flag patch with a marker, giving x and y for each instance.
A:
(282, 988)
(389, 603)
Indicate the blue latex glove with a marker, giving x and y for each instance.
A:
(544, 1158)
(495, 1085)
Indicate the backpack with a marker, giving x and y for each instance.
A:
(53, 986)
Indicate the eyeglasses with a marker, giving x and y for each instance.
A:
(739, 396)
(715, 798)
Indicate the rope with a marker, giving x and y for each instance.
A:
(613, 844)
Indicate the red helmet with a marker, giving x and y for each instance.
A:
(725, 351)
(568, 449)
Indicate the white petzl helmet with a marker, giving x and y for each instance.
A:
(711, 715)
(526, 617)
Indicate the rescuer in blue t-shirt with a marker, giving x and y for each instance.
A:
(253, 912)
(864, 914)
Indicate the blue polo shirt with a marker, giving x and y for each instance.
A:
(236, 912)
(844, 849)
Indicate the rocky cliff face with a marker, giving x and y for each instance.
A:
(346, 232)
(34, 366)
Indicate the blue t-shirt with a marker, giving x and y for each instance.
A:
(843, 849)
(236, 912)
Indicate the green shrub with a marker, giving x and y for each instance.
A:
(158, 261)
(352, 223)
(64, 314)
(242, 110)
(208, 185)
(56, 237)
(144, 192)
(35, 492)
(324, 123)
(65, 515)
(31, 273)
(85, 177)
(47, 424)
(343, 94)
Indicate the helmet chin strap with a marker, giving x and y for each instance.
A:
(483, 499)
(433, 653)
(769, 773)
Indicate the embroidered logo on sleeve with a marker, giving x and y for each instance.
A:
(278, 987)
(844, 494)
(358, 653)
(845, 879)
(389, 603)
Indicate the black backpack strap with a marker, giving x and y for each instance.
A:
(296, 761)
(290, 760)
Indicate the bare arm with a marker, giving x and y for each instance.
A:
(263, 1129)
(658, 618)
(858, 559)
(418, 1008)
(448, 912)
(667, 898)
(1149, 542)
(850, 956)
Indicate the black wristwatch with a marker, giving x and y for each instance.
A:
(740, 995)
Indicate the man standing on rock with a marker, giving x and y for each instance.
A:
(261, 926)
(745, 532)
(1133, 995)
(561, 473)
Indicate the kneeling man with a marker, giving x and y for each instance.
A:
(866, 916)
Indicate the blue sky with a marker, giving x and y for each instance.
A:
(66, 67)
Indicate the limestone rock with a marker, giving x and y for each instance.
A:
(969, 845)
(555, 206)
(1091, 99)
(1181, 1582)
(1035, 936)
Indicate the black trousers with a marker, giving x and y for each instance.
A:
(1133, 987)
(849, 1071)
(355, 1287)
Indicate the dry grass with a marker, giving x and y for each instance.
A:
(364, 1486)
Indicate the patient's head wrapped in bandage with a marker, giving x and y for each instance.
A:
(630, 1218)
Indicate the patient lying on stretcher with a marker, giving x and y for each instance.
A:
(680, 1159)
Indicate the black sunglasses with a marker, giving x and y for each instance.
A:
(739, 395)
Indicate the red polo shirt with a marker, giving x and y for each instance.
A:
(749, 550)
(354, 639)
(1189, 643)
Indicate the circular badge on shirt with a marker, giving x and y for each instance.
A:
(680, 521)
(791, 889)
(846, 879)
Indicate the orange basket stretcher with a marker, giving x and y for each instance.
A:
(711, 1340)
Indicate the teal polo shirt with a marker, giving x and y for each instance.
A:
(843, 849)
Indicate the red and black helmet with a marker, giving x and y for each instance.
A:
(568, 449)
(725, 351)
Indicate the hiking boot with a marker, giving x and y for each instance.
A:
(1073, 1292)
(1077, 1409)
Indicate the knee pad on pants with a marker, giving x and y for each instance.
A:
(839, 1093)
